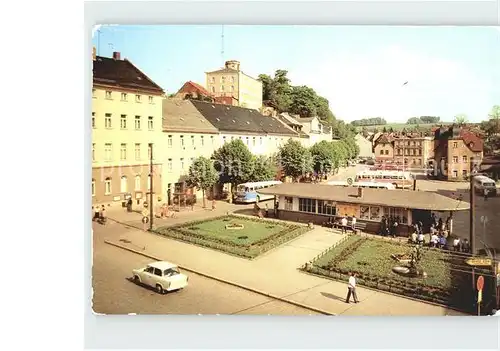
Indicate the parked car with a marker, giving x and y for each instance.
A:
(163, 276)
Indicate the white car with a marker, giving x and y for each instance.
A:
(163, 276)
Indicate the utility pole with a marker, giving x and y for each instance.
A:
(472, 211)
(151, 204)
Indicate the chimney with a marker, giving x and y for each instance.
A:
(116, 55)
(93, 53)
(360, 192)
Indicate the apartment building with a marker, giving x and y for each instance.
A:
(413, 150)
(237, 87)
(384, 148)
(126, 118)
(194, 128)
(458, 151)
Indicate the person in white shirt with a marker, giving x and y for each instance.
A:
(353, 224)
(343, 222)
(421, 238)
(456, 244)
(351, 289)
(434, 240)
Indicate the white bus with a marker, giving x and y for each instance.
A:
(397, 178)
(373, 185)
(247, 192)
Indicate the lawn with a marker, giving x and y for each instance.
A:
(254, 238)
(252, 232)
(371, 259)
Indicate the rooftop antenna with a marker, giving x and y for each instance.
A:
(222, 44)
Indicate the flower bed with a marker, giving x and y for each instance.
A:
(252, 237)
(373, 259)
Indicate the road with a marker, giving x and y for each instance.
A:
(115, 294)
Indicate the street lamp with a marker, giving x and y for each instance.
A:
(151, 186)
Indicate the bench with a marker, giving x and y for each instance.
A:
(360, 226)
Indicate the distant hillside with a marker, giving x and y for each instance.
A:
(401, 126)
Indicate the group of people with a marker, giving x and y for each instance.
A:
(345, 225)
(389, 226)
(100, 214)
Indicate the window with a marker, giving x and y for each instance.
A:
(108, 150)
(260, 140)
(107, 120)
(375, 213)
(464, 173)
(123, 122)
(455, 173)
(149, 152)
(213, 89)
(151, 99)
(123, 152)
(224, 139)
(212, 79)
(253, 141)
(455, 159)
(232, 79)
(93, 93)
(212, 140)
(192, 140)
(93, 152)
(387, 152)
(137, 182)
(464, 159)
(107, 186)
(123, 184)
(137, 122)
(307, 205)
(182, 163)
(364, 212)
(399, 213)
(93, 187)
(169, 141)
(137, 151)
(123, 97)
(221, 88)
(326, 207)
(93, 119)
(108, 95)
(169, 165)
(288, 203)
(149, 182)
(137, 98)
(455, 145)
(182, 140)
(202, 142)
(150, 123)
(381, 152)
(247, 141)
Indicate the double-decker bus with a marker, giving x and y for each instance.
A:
(400, 180)
(248, 192)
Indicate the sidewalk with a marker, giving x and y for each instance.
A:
(275, 272)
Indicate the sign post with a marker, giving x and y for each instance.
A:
(479, 286)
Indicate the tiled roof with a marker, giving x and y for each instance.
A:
(470, 139)
(190, 87)
(289, 119)
(422, 200)
(239, 119)
(182, 116)
(224, 70)
(122, 74)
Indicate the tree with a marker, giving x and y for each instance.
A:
(263, 168)
(303, 101)
(294, 159)
(233, 161)
(324, 157)
(202, 175)
(495, 113)
(460, 119)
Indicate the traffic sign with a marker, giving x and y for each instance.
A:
(478, 261)
(480, 283)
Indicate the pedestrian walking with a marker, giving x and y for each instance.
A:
(145, 216)
(353, 224)
(486, 192)
(351, 289)
(343, 223)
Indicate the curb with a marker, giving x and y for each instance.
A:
(291, 302)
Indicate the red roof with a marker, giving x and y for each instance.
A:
(191, 87)
(472, 140)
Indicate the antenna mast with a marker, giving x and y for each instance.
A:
(222, 44)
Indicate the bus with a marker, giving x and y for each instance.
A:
(482, 183)
(399, 179)
(373, 185)
(247, 192)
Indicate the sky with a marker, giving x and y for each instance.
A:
(361, 70)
